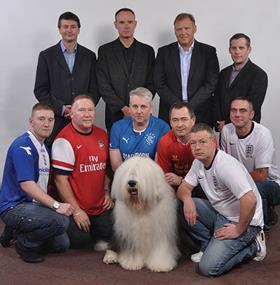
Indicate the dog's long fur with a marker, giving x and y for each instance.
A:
(145, 224)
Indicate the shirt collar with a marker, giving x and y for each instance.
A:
(182, 50)
(239, 68)
(63, 48)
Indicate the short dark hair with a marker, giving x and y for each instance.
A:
(240, 36)
(179, 105)
(202, 127)
(242, 98)
(82, 96)
(69, 16)
(124, 10)
(42, 106)
(183, 16)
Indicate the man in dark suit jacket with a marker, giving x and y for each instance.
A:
(186, 70)
(123, 65)
(243, 78)
(64, 71)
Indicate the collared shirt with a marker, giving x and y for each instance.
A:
(69, 57)
(185, 62)
(235, 71)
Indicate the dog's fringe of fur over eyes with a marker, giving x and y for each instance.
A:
(145, 223)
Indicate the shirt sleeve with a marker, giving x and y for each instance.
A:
(63, 157)
(264, 152)
(24, 163)
(191, 177)
(163, 156)
(115, 137)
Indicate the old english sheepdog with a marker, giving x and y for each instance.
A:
(145, 223)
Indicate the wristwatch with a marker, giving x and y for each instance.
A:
(55, 205)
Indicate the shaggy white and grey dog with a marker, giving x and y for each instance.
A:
(145, 223)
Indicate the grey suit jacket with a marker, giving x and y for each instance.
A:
(202, 80)
(114, 80)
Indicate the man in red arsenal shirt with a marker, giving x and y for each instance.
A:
(174, 152)
(79, 156)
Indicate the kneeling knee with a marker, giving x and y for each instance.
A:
(208, 269)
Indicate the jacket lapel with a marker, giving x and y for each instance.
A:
(175, 57)
(119, 56)
(78, 59)
(60, 58)
(239, 75)
(195, 61)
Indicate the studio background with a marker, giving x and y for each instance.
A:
(31, 26)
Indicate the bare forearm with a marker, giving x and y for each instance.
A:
(33, 190)
(65, 191)
(247, 210)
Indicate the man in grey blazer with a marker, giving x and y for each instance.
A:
(64, 71)
(123, 65)
(186, 70)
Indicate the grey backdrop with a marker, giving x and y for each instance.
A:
(30, 26)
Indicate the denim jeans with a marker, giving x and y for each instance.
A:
(270, 193)
(37, 228)
(220, 256)
(100, 229)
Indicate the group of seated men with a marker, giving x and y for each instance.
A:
(227, 224)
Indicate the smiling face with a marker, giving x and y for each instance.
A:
(239, 51)
(184, 31)
(83, 115)
(41, 123)
(125, 24)
(181, 123)
(69, 31)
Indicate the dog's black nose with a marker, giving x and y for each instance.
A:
(131, 183)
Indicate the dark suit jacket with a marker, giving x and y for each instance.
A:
(56, 85)
(251, 82)
(202, 80)
(114, 80)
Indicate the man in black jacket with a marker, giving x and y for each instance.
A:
(243, 78)
(123, 65)
(64, 71)
(186, 70)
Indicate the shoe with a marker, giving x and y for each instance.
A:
(196, 257)
(260, 240)
(101, 245)
(6, 237)
(29, 256)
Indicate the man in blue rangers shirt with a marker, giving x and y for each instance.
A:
(34, 219)
(139, 134)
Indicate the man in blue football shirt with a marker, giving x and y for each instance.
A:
(139, 134)
(34, 219)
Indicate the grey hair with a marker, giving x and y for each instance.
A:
(141, 92)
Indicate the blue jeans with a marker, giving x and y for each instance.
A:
(37, 228)
(220, 256)
(270, 193)
(101, 227)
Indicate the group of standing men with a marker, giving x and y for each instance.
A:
(185, 75)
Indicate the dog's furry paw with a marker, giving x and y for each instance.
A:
(110, 257)
(131, 263)
(161, 265)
